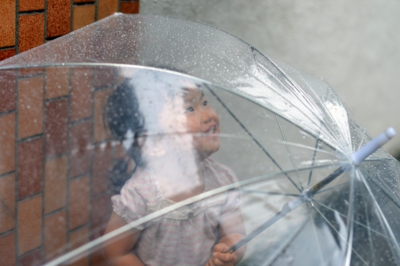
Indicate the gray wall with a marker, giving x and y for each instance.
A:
(351, 44)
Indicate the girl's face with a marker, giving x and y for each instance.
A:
(202, 121)
(189, 123)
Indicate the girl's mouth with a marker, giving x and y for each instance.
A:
(210, 131)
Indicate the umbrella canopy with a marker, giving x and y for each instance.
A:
(279, 131)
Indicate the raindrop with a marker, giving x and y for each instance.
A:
(103, 145)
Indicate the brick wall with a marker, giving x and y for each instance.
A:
(54, 158)
(54, 151)
(25, 24)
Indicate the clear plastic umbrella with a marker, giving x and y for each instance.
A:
(276, 156)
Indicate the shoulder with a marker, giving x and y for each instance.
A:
(141, 184)
(223, 174)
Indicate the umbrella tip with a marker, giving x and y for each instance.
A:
(372, 146)
(390, 132)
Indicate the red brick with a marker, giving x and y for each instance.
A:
(58, 17)
(32, 259)
(79, 202)
(81, 94)
(55, 235)
(7, 53)
(31, 31)
(130, 7)
(31, 5)
(107, 8)
(56, 127)
(7, 250)
(30, 106)
(83, 16)
(7, 25)
(29, 224)
(7, 91)
(7, 143)
(30, 165)
(7, 202)
(80, 148)
(100, 214)
(55, 188)
(102, 160)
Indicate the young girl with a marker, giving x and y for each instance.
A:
(169, 131)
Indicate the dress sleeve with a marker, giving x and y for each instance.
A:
(129, 205)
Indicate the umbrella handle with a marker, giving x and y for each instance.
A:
(372, 146)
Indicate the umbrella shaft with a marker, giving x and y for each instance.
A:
(317, 187)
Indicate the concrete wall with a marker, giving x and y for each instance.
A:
(354, 45)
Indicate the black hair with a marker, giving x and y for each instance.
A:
(121, 114)
(125, 122)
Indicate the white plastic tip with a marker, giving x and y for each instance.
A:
(390, 132)
(372, 146)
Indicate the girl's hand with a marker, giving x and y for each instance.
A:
(219, 258)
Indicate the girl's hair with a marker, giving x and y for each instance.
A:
(126, 123)
(122, 113)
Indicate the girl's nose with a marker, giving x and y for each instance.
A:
(208, 115)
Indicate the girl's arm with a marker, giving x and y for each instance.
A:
(231, 231)
(118, 251)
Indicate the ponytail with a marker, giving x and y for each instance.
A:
(126, 123)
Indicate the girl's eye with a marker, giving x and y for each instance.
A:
(190, 109)
(205, 103)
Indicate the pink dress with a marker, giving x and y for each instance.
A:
(185, 236)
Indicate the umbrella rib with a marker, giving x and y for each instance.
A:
(286, 243)
(327, 221)
(315, 233)
(98, 241)
(354, 221)
(313, 162)
(292, 84)
(382, 217)
(289, 151)
(385, 192)
(371, 244)
(288, 207)
(251, 136)
(247, 97)
(310, 148)
(378, 159)
(349, 224)
(268, 193)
